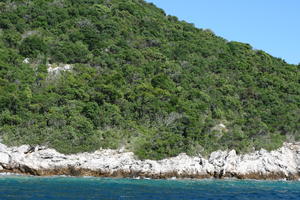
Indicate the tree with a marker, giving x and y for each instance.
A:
(32, 46)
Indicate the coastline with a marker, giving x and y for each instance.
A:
(280, 164)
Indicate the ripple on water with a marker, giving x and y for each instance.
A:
(24, 187)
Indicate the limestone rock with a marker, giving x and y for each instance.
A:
(54, 69)
(4, 158)
(38, 160)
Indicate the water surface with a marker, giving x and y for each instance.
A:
(45, 188)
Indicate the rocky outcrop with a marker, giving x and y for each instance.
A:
(56, 69)
(282, 163)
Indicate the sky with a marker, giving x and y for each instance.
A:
(269, 25)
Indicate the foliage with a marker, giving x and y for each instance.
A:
(140, 80)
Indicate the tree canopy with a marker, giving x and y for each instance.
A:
(140, 79)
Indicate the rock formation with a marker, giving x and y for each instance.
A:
(56, 69)
(282, 163)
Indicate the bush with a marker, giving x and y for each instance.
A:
(157, 144)
(32, 46)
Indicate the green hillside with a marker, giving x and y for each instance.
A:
(138, 79)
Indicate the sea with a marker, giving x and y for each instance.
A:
(14, 187)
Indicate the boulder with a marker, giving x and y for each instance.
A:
(4, 158)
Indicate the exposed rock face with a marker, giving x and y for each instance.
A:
(283, 163)
(54, 69)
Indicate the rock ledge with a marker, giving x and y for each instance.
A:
(282, 163)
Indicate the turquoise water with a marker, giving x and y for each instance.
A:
(21, 187)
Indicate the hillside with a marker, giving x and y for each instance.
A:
(131, 76)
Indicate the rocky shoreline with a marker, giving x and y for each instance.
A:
(283, 163)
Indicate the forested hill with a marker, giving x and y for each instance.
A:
(78, 75)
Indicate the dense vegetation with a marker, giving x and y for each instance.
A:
(140, 80)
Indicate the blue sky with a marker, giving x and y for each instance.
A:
(269, 25)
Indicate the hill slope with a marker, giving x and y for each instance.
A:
(136, 78)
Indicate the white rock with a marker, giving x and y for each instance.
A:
(3, 148)
(58, 69)
(21, 149)
(26, 61)
(285, 160)
(4, 158)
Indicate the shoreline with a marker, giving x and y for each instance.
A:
(280, 164)
(16, 175)
(87, 173)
